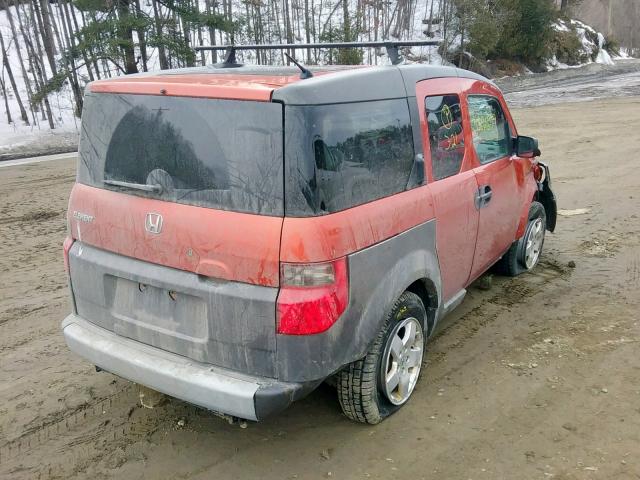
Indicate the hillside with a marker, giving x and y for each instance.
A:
(617, 18)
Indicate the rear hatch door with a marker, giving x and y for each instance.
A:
(177, 215)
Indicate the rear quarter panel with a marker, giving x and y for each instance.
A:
(390, 243)
(378, 275)
(327, 237)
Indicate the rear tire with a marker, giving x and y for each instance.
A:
(524, 254)
(366, 388)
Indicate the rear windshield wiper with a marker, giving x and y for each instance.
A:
(135, 186)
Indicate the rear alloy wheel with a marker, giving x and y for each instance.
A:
(524, 254)
(376, 386)
(403, 360)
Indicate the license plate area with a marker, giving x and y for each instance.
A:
(160, 310)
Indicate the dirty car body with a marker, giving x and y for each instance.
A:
(238, 236)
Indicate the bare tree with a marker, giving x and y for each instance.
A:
(162, 54)
(126, 33)
(12, 80)
(44, 25)
(23, 70)
(38, 61)
(5, 96)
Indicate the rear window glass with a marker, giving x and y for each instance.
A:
(343, 155)
(446, 135)
(221, 154)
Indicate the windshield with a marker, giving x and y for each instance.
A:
(223, 154)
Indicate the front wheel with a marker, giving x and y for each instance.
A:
(524, 254)
(376, 386)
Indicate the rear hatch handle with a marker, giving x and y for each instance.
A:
(135, 186)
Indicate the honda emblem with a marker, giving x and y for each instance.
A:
(153, 223)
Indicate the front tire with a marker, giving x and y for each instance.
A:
(374, 387)
(524, 254)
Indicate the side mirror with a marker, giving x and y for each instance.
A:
(526, 147)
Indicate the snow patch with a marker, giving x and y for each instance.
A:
(592, 44)
(603, 56)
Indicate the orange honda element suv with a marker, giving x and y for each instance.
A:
(239, 235)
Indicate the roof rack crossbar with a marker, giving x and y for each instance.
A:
(391, 46)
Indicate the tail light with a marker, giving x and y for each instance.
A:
(312, 296)
(66, 246)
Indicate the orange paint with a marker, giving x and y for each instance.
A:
(328, 237)
(228, 86)
(213, 243)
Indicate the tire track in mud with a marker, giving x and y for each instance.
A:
(510, 293)
(67, 421)
(633, 271)
(44, 182)
(32, 217)
(84, 439)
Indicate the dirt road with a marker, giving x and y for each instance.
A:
(590, 82)
(537, 378)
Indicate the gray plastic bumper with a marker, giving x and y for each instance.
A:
(220, 390)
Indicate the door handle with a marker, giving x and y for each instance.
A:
(483, 197)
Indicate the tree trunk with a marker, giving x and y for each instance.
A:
(430, 25)
(38, 60)
(187, 40)
(287, 26)
(70, 10)
(7, 66)
(212, 32)
(31, 57)
(54, 24)
(125, 35)
(142, 39)
(5, 95)
(162, 55)
(40, 79)
(23, 70)
(199, 31)
(44, 25)
(307, 28)
(92, 62)
(71, 63)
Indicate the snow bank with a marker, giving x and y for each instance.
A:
(17, 134)
(591, 45)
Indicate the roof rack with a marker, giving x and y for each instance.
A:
(391, 46)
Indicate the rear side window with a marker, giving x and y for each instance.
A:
(491, 136)
(446, 135)
(340, 156)
(221, 154)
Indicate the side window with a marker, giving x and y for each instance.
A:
(343, 155)
(490, 129)
(446, 135)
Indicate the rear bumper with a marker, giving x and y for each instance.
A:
(214, 388)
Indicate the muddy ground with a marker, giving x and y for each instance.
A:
(590, 82)
(536, 378)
